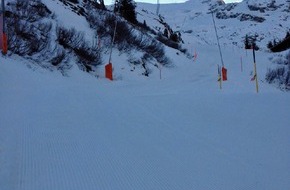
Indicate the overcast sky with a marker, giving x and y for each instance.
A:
(167, 1)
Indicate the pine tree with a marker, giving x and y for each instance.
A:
(247, 43)
(145, 24)
(126, 8)
(165, 33)
(270, 45)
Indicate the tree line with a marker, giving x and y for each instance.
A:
(280, 45)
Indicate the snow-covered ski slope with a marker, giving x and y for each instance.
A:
(179, 132)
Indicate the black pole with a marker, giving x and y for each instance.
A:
(255, 67)
(3, 14)
(254, 55)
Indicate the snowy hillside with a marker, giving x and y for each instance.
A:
(58, 34)
(175, 129)
(267, 19)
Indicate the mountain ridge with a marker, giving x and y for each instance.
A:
(234, 20)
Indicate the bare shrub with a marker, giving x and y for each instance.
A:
(74, 41)
(27, 37)
(281, 74)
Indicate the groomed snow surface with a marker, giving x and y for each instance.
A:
(137, 133)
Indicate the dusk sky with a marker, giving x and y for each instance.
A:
(167, 1)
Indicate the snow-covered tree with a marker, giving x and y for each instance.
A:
(126, 8)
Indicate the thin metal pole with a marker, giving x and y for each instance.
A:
(219, 76)
(255, 69)
(114, 35)
(158, 7)
(112, 43)
(221, 56)
(241, 64)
